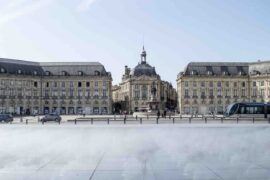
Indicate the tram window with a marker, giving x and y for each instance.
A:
(259, 110)
(268, 109)
(242, 110)
(233, 109)
(250, 110)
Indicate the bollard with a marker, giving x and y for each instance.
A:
(42, 122)
(253, 120)
(108, 121)
(147, 116)
(140, 120)
(26, 121)
(269, 120)
(10, 122)
(91, 120)
(180, 116)
(59, 122)
(169, 116)
(237, 120)
(21, 119)
(173, 120)
(157, 120)
(205, 120)
(136, 117)
(38, 119)
(124, 120)
(190, 120)
(222, 120)
(114, 117)
(75, 121)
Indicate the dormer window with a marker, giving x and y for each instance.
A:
(2, 70)
(240, 73)
(193, 72)
(47, 73)
(224, 73)
(19, 71)
(80, 73)
(63, 73)
(35, 73)
(209, 73)
(97, 73)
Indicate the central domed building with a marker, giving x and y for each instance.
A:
(139, 87)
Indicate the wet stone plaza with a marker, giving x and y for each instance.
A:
(154, 152)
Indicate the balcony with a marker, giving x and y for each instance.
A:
(195, 97)
(186, 96)
(203, 96)
(227, 96)
(219, 96)
(211, 96)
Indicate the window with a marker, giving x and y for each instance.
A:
(194, 84)
(262, 83)
(211, 83)
(87, 84)
(211, 92)
(79, 84)
(63, 73)
(55, 84)
(47, 84)
(194, 92)
(63, 84)
(97, 73)
(186, 93)
(47, 73)
(243, 84)
(35, 84)
(19, 71)
(186, 83)
(96, 83)
(262, 92)
(227, 91)
(203, 93)
(235, 92)
(80, 73)
(96, 93)
(104, 93)
(218, 84)
(71, 84)
(243, 92)
(219, 92)
(254, 92)
(235, 84)
(227, 84)
(3, 70)
(202, 84)
(80, 93)
(254, 84)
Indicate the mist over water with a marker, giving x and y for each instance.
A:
(35, 148)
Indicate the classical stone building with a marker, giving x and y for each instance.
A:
(64, 87)
(208, 87)
(134, 92)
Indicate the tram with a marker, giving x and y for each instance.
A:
(257, 110)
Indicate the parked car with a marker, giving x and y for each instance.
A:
(6, 118)
(51, 117)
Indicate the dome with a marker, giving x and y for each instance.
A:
(143, 69)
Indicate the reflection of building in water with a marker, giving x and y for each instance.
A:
(64, 87)
(208, 87)
(140, 86)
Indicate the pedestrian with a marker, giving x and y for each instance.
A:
(158, 114)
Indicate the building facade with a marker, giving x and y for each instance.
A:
(209, 87)
(134, 92)
(46, 87)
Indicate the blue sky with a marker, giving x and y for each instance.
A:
(111, 31)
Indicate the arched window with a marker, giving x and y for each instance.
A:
(97, 73)
(80, 73)
(47, 73)
(2, 70)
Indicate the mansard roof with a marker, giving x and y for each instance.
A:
(217, 68)
(14, 66)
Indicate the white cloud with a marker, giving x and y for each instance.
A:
(85, 4)
(15, 9)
